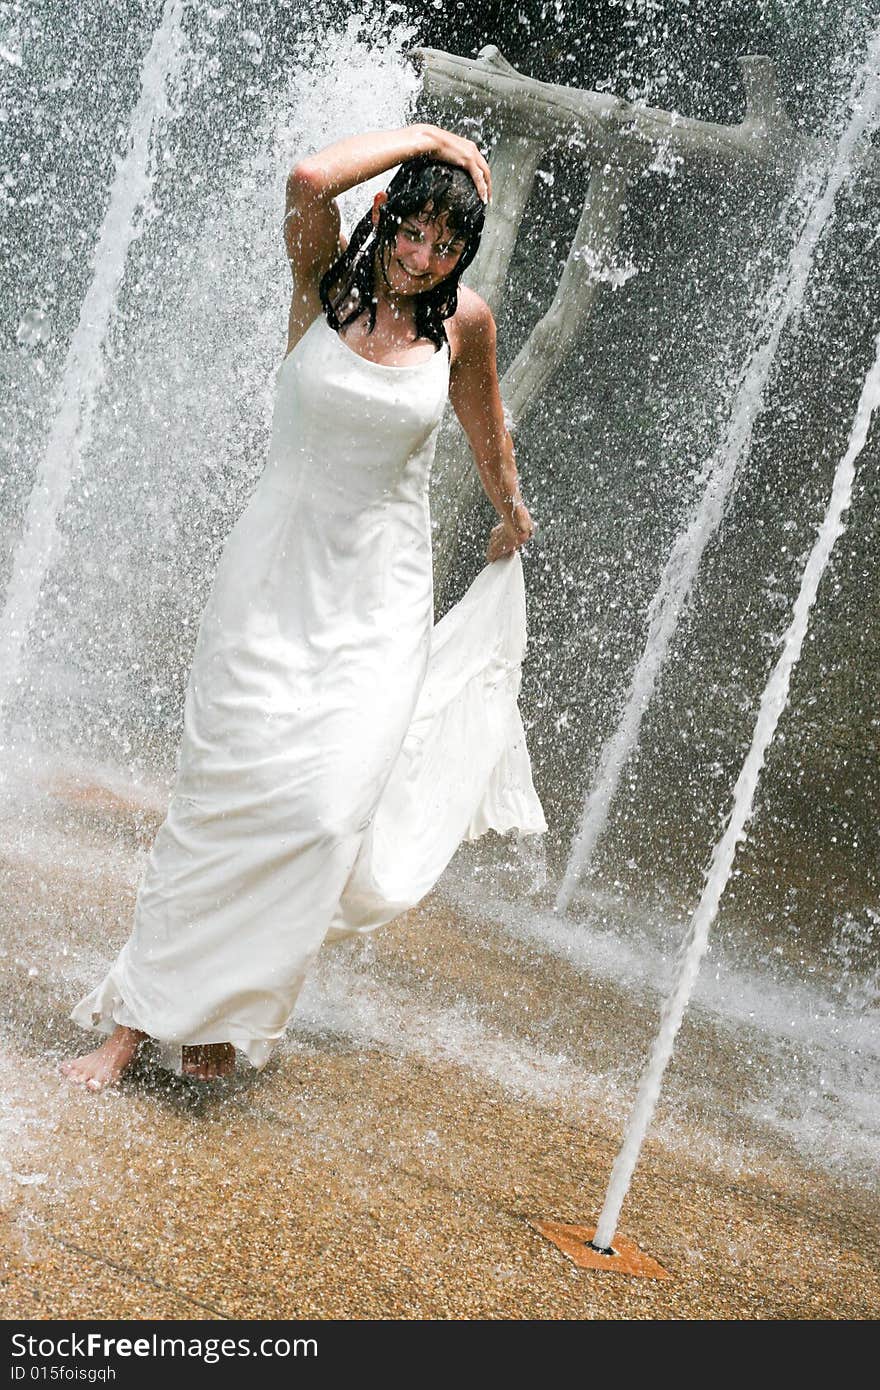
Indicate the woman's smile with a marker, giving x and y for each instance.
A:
(413, 275)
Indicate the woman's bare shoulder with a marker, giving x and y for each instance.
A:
(471, 329)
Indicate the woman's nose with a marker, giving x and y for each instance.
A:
(420, 258)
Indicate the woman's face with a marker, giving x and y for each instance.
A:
(425, 250)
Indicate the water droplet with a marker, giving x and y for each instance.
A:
(34, 328)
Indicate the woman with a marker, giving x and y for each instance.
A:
(336, 747)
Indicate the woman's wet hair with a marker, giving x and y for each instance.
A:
(421, 185)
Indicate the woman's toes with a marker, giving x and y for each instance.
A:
(208, 1061)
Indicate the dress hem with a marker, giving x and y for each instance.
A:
(105, 1009)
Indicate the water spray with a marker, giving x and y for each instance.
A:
(600, 1244)
(129, 209)
(784, 301)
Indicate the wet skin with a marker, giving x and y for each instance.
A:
(106, 1064)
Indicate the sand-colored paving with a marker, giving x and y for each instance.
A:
(444, 1085)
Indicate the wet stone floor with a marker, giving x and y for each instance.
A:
(441, 1087)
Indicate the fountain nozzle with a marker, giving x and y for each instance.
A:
(578, 1244)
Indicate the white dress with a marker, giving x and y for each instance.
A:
(337, 746)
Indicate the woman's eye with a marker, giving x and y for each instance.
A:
(413, 234)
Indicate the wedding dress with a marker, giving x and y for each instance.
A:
(337, 746)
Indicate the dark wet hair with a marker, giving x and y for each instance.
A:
(421, 185)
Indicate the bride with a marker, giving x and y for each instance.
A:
(337, 747)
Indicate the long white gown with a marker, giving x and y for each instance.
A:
(337, 746)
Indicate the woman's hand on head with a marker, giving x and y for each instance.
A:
(455, 149)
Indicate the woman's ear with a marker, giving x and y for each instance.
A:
(380, 198)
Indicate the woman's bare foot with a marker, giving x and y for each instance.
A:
(208, 1061)
(107, 1063)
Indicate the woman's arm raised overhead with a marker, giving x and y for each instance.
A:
(476, 400)
(312, 224)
